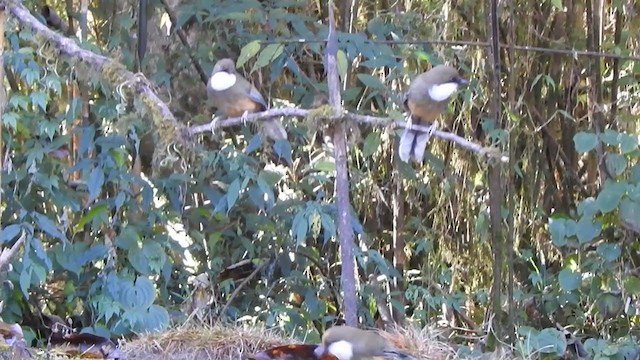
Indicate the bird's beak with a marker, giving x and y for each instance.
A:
(318, 351)
(463, 82)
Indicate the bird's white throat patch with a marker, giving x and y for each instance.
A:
(343, 350)
(443, 91)
(222, 80)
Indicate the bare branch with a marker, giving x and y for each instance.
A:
(8, 253)
(120, 76)
(363, 119)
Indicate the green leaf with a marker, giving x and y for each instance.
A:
(325, 165)
(25, 281)
(300, 227)
(48, 226)
(11, 119)
(550, 341)
(610, 196)
(248, 51)
(370, 81)
(94, 185)
(9, 232)
(629, 210)
(148, 259)
(632, 285)
(139, 295)
(616, 164)
(588, 230)
(233, 193)
(371, 144)
(610, 137)
(283, 150)
(156, 319)
(609, 252)
(40, 99)
(569, 280)
(342, 63)
(98, 210)
(585, 142)
(269, 54)
(558, 230)
(628, 143)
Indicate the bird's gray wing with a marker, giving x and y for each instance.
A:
(255, 95)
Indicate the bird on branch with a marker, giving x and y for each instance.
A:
(428, 96)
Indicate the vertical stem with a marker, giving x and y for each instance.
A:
(3, 96)
(345, 230)
(494, 179)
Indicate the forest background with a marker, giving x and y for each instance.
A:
(123, 211)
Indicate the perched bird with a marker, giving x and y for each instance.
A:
(427, 97)
(234, 96)
(349, 343)
(291, 352)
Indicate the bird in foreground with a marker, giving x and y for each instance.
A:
(292, 352)
(234, 96)
(427, 97)
(350, 343)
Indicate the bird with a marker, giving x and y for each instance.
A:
(427, 97)
(234, 96)
(350, 343)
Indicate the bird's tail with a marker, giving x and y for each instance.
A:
(273, 129)
(398, 355)
(406, 144)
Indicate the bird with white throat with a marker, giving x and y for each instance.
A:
(427, 97)
(234, 96)
(350, 343)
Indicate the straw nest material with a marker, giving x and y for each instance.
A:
(230, 342)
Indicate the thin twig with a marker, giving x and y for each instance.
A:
(236, 292)
(568, 52)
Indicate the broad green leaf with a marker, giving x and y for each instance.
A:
(10, 232)
(300, 227)
(588, 229)
(588, 207)
(550, 341)
(610, 196)
(371, 144)
(48, 226)
(25, 281)
(269, 54)
(609, 252)
(283, 150)
(569, 280)
(370, 81)
(342, 63)
(325, 165)
(96, 211)
(585, 142)
(558, 230)
(40, 99)
(610, 137)
(616, 164)
(632, 285)
(248, 51)
(628, 143)
(629, 210)
(233, 193)
(94, 185)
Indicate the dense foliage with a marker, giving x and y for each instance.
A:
(130, 225)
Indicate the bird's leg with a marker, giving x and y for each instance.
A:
(214, 123)
(244, 117)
